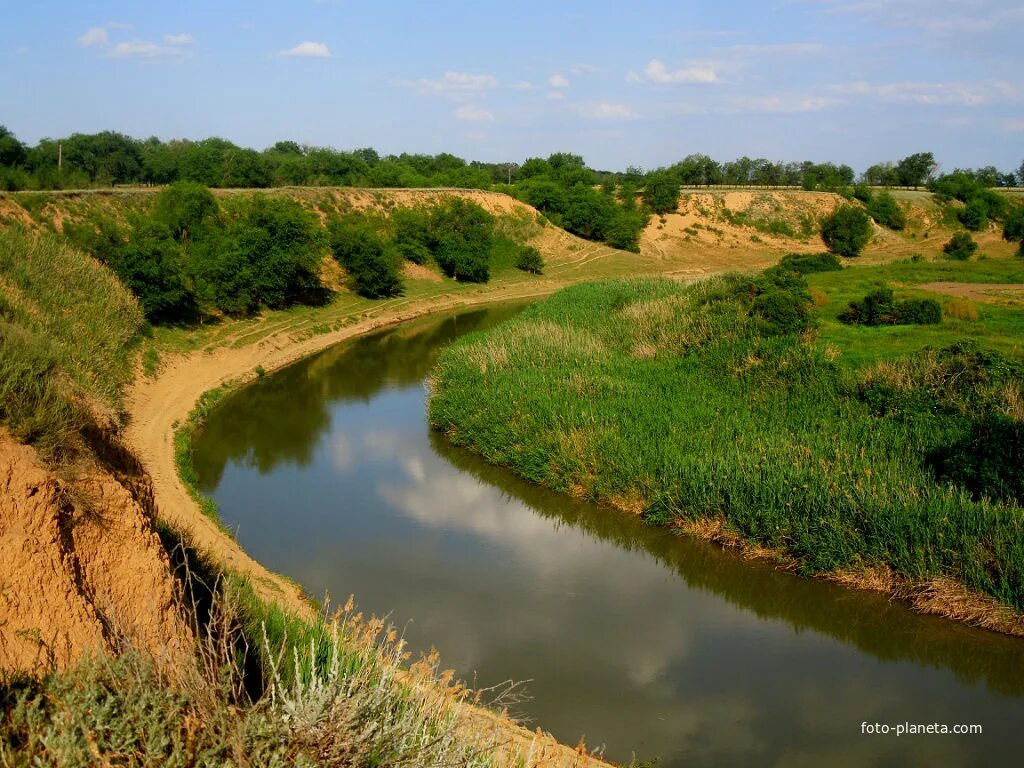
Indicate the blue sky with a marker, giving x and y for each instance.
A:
(637, 83)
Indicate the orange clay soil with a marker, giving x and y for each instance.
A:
(83, 567)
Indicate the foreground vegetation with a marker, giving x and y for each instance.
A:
(265, 688)
(745, 402)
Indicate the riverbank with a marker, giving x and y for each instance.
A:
(707, 409)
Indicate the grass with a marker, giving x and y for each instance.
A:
(669, 401)
(997, 327)
(68, 333)
(183, 437)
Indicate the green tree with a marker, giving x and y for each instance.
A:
(463, 234)
(184, 207)
(881, 175)
(846, 231)
(661, 191)
(269, 254)
(915, 170)
(1013, 228)
(149, 265)
(12, 151)
(372, 264)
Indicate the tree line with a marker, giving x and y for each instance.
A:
(108, 158)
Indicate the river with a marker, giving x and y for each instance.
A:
(650, 644)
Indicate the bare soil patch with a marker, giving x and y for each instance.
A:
(1005, 294)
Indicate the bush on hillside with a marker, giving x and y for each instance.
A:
(412, 237)
(463, 235)
(886, 211)
(974, 215)
(846, 231)
(960, 247)
(530, 260)
(149, 265)
(372, 264)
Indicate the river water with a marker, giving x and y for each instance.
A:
(650, 644)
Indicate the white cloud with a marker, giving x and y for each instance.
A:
(605, 111)
(93, 36)
(657, 72)
(555, 96)
(788, 104)
(457, 86)
(1014, 125)
(931, 94)
(473, 114)
(182, 39)
(558, 81)
(143, 49)
(522, 85)
(583, 69)
(307, 50)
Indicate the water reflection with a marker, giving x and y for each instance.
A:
(631, 636)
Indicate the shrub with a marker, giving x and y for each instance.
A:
(880, 308)
(808, 263)
(918, 312)
(846, 231)
(863, 193)
(781, 312)
(412, 234)
(974, 215)
(530, 260)
(988, 461)
(961, 247)
(886, 211)
(372, 264)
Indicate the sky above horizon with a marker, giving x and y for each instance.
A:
(643, 83)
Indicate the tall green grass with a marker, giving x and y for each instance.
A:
(670, 401)
(67, 336)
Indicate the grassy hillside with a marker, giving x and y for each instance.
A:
(719, 405)
(68, 332)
